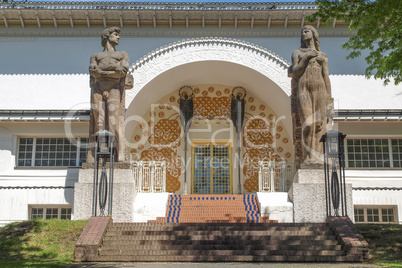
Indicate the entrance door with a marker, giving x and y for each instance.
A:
(211, 169)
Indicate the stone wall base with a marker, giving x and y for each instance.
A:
(308, 196)
(353, 243)
(124, 193)
(86, 248)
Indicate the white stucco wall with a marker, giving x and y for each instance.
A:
(358, 92)
(45, 92)
(69, 91)
(70, 54)
(16, 201)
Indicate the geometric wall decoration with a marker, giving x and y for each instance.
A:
(264, 136)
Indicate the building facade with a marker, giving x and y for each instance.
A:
(212, 50)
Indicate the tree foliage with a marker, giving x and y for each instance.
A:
(379, 30)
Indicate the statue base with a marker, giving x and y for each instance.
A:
(124, 192)
(308, 196)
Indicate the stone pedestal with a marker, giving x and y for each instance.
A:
(308, 196)
(124, 193)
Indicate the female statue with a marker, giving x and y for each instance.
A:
(312, 92)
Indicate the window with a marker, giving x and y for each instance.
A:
(375, 214)
(374, 153)
(51, 152)
(359, 215)
(396, 148)
(51, 212)
(65, 214)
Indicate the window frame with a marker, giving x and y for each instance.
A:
(34, 145)
(390, 153)
(380, 216)
(49, 206)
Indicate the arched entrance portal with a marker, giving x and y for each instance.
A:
(214, 67)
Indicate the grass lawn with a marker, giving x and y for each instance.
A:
(385, 243)
(39, 243)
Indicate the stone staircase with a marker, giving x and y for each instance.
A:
(219, 228)
(221, 242)
(212, 208)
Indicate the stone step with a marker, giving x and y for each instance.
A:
(239, 258)
(280, 225)
(212, 220)
(250, 243)
(198, 247)
(220, 233)
(215, 227)
(129, 252)
(218, 239)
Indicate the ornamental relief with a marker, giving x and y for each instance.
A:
(217, 49)
(264, 137)
(211, 107)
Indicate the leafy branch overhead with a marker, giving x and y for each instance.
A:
(379, 30)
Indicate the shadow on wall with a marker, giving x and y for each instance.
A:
(69, 184)
(6, 139)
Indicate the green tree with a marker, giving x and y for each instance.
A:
(379, 30)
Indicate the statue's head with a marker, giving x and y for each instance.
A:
(107, 32)
(315, 37)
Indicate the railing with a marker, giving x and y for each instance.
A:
(150, 176)
(275, 176)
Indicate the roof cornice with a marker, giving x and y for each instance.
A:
(368, 115)
(158, 5)
(137, 16)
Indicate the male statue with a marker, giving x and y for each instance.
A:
(311, 93)
(109, 79)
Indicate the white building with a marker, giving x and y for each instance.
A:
(212, 48)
